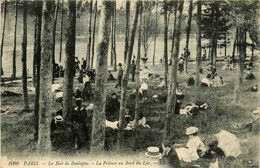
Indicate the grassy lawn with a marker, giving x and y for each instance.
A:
(17, 126)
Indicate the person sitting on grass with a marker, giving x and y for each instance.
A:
(77, 93)
(110, 76)
(249, 75)
(112, 108)
(141, 121)
(169, 155)
(190, 81)
(115, 124)
(162, 83)
(194, 149)
(254, 88)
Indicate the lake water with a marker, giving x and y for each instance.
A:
(81, 50)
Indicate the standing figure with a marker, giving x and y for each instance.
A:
(76, 65)
(181, 64)
(79, 121)
(133, 68)
(84, 64)
(145, 74)
(87, 91)
(144, 89)
(120, 75)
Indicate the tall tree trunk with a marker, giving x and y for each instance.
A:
(155, 35)
(234, 47)
(127, 16)
(198, 48)
(89, 34)
(24, 50)
(46, 97)
(3, 31)
(174, 27)
(120, 138)
(69, 61)
(165, 53)
(252, 55)
(54, 37)
(35, 44)
(188, 36)
(61, 29)
(241, 43)
(137, 102)
(114, 37)
(15, 30)
(94, 33)
(37, 56)
(171, 98)
(98, 121)
(112, 40)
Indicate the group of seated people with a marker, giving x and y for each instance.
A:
(112, 115)
(177, 155)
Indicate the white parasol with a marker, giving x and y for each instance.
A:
(228, 143)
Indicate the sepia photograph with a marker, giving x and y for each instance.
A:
(130, 84)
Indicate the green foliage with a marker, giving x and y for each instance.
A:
(216, 12)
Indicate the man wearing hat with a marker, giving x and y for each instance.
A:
(79, 122)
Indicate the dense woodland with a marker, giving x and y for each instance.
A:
(99, 24)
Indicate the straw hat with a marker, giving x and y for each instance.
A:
(153, 152)
(191, 130)
(58, 118)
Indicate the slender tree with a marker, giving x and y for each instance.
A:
(46, 97)
(15, 30)
(198, 40)
(94, 33)
(89, 34)
(114, 37)
(127, 16)
(3, 31)
(54, 36)
(125, 78)
(61, 29)
(171, 98)
(234, 47)
(24, 50)
(155, 34)
(137, 102)
(165, 53)
(37, 64)
(188, 36)
(69, 61)
(98, 121)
